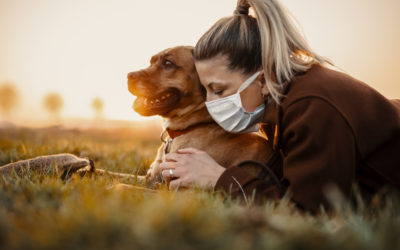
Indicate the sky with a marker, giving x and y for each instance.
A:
(84, 49)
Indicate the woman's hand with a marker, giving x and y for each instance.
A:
(191, 168)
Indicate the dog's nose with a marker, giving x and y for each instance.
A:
(134, 75)
(133, 81)
(129, 76)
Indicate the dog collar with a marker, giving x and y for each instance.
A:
(172, 133)
(169, 134)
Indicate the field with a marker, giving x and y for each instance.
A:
(42, 212)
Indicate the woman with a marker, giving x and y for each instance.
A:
(331, 129)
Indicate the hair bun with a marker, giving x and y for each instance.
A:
(242, 9)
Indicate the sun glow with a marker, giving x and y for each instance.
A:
(84, 49)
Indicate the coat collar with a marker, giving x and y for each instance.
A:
(272, 109)
(271, 126)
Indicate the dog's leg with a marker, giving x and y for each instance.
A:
(127, 187)
(152, 177)
(141, 179)
(154, 172)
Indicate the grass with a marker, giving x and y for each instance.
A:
(43, 212)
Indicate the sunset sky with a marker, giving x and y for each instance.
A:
(84, 48)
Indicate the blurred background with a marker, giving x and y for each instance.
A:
(66, 60)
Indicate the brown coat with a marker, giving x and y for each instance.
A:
(332, 129)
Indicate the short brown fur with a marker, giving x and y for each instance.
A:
(188, 109)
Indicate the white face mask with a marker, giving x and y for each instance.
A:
(229, 113)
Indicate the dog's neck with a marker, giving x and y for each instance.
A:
(189, 116)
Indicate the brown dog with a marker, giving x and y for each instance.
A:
(170, 87)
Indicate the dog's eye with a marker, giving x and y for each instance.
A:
(168, 63)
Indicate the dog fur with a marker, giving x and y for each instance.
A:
(172, 73)
(169, 87)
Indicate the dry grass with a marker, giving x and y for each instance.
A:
(43, 212)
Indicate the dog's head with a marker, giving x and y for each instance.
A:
(169, 85)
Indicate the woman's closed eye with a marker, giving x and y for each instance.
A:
(216, 89)
(218, 92)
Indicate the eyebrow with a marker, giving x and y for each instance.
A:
(155, 57)
(211, 84)
(152, 59)
(166, 55)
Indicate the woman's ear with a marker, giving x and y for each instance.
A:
(262, 84)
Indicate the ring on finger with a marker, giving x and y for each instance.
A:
(171, 172)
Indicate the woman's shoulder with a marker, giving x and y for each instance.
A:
(327, 84)
(370, 115)
(353, 98)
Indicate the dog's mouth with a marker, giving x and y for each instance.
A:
(157, 105)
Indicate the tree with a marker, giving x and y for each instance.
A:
(8, 98)
(98, 106)
(53, 103)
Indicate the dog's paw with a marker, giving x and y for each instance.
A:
(148, 174)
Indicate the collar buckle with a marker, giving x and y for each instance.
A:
(165, 138)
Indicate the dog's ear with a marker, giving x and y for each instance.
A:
(192, 51)
(203, 91)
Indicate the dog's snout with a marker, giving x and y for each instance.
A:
(131, 81)
(131, 75)
(138, 83)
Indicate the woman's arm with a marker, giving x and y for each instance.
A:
(192, 167)
(319, 150)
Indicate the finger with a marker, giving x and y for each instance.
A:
(188, 151)
(176, 173)
(172, 157)
(166, 174)
(175, 184)
(167, 165)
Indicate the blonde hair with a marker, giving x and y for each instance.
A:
(270, 41)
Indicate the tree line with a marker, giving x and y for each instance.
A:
(52, 102)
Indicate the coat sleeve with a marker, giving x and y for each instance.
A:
(319, 151)
(242, 185)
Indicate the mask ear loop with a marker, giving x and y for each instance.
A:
(248, 81)
(246, 84)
